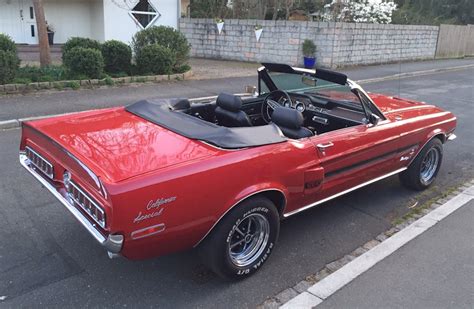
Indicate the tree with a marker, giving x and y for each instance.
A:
(434, 12)
(45, 54)
(364, 11)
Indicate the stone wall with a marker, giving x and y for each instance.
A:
(339, 44)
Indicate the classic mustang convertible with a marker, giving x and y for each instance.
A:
(165, 175)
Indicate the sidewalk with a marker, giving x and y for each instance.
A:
(427, 264)
(43, 104)
(435, 270)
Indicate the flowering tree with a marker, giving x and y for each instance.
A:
(362, 11)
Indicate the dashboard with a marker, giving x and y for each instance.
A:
(323, 110)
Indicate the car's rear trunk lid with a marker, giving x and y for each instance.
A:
(118, 145)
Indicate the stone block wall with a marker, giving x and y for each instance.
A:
(339, 44)
(357, 44)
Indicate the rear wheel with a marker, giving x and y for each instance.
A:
(423, 170)
(241, 243)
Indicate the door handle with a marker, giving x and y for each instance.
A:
(323, 146)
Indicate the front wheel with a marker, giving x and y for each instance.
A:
(241, 243)
(423, 170)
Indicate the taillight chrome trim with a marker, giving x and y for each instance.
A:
(84, 206)
(39, 162)
(26, 163)
(112, 243)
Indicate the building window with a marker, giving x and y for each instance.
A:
(144, 14)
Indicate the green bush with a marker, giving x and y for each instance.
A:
(84, 61)
(9, 64)
(80, 42)
(165, 36)
(155, 59)
(6, 43)
(21, 80)
(73, 85)
(117, 56)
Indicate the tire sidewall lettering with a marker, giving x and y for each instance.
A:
(248, 270)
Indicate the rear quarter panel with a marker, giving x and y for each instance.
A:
(203, 192)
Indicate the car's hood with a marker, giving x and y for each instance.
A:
(118, 145)
(388, 104)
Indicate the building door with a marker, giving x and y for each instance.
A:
(27, 13)
(17, 19)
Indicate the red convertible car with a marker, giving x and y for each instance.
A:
(165, 175)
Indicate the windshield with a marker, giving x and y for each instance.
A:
(306, 84)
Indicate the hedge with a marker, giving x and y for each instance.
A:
(155, 59)
(82, 61)
(165, 36)
(117, 56)
(9, 64)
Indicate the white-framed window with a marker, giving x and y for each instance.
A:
(144, 14)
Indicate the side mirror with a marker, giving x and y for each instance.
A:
(250, 89)
(374, 119)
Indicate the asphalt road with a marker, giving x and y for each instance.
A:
(51, 103)
(46, 258)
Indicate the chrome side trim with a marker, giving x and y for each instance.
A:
(230, 208)
(161, 227)
(343, 192)
(113, 243)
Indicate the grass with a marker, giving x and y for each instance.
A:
(415, 211)
(34, 74)
(73, 85)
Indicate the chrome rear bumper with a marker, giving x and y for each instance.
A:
(452, 137)
(112, 243)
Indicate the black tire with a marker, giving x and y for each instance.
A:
(215, 249)
(412, 177)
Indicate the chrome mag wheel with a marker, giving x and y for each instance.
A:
(429, 165)
(249, 239)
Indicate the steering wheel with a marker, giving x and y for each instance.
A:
(273, 100)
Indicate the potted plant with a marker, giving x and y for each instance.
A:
(309, 51)
(50, 30)
(258, 31)
(219, 23)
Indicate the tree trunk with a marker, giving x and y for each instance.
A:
(45, 55)
(275, 9)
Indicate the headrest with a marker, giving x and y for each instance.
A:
(181, 103)
(287, 117)
(229, 102)
(173, 103)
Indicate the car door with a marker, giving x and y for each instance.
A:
(355, 155)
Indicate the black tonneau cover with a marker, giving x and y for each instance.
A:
(162, 112)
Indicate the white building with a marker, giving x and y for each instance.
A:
(97, 19)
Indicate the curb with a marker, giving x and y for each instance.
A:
(316, 288)
(8, 89)
(15, 123)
